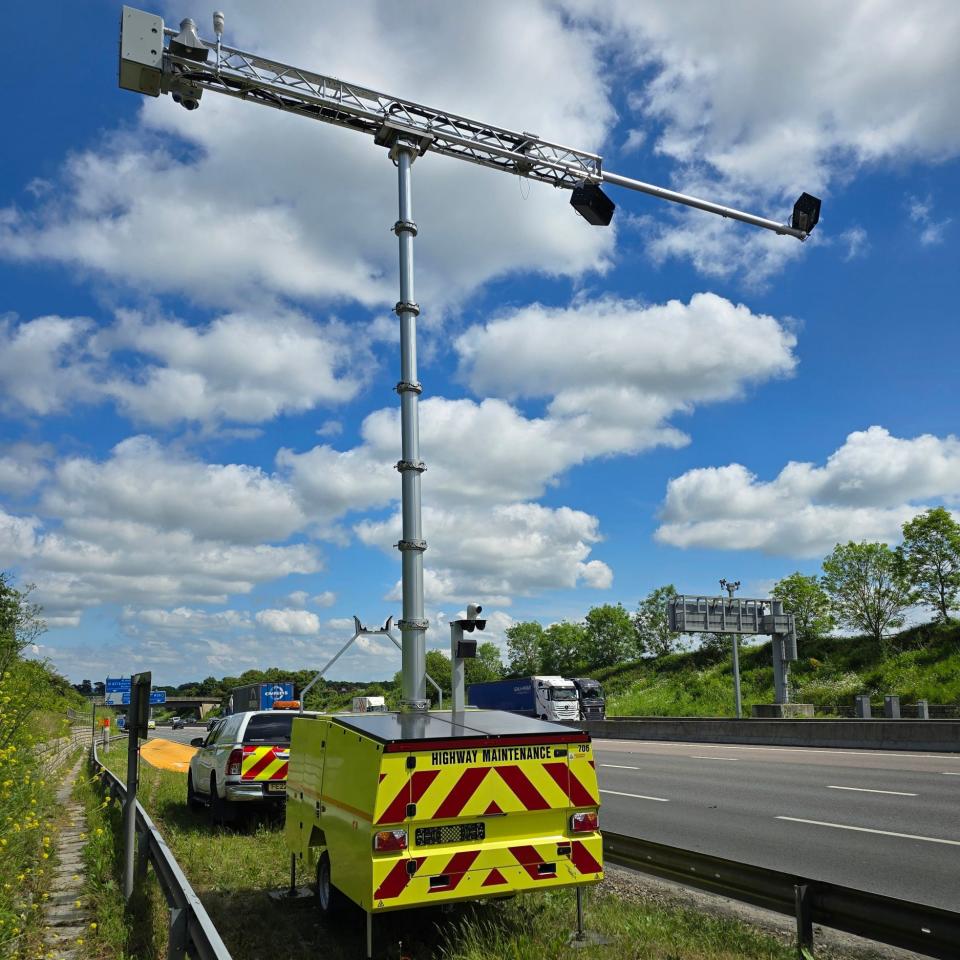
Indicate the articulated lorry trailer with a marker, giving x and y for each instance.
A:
(259, 696)
(546, 698)
(400, 810)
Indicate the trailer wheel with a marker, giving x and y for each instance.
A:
(193, 801)
(329, 899)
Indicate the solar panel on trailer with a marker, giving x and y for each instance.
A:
(390, 727)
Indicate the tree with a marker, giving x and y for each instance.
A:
(652, 626)
(524, 647)
(931, 554)
(867, 586)
(610, 635)
(806, 599)
(486, 666)
(563, 648)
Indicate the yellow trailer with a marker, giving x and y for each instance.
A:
(406, 810)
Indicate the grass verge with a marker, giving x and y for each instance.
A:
(231, 870)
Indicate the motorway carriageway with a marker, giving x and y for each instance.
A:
(882, 821)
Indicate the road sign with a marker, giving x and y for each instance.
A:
(158, 696)
(117, 698)
(117, 685)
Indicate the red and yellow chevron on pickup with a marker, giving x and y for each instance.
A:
(410, 810)
(265, 763)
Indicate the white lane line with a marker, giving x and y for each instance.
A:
(618, 766)
(949, 773)
(598, 744)
(694, 756)
(885, 833)
(636, 796)
(893, 793)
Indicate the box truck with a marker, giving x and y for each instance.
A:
(259, 696)
(547, 698)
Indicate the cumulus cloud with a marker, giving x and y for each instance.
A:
(743, 130)
(232, 215)
(23, 467)
(146, 483)
(298, 622)
(495, 553)
(240, 367)
(865, 491)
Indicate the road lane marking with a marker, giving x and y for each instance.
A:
(893, 793)
(694, 756)
(949, 773)
(618, 766)
(636, 796)
(598, 744)
(885, 833)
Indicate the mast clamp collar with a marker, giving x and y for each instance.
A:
(417, 465)
(413, 624)
(407, 226)
(407, 306)
(405, 386)
(420, 545)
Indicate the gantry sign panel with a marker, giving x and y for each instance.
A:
(688, 614)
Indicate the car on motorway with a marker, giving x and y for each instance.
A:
(178, 723)
(151, 724)
(241, 763)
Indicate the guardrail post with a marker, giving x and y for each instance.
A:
(143, 855)
(803, 903)
(178, 934)
(891, 707)
(923, 710)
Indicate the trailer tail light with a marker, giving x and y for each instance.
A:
(390, 840)
(585, 822)
(235, 763)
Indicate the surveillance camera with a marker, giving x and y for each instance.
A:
(473, 611)
(186, 93)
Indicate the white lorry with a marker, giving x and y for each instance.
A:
(369, 705)
(547, 698)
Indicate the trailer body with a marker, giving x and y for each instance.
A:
(481, 804)
(544, 697)
(260, 696)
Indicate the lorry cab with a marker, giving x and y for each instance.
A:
(399, 810)
(369, 705)
(556, 699)
(593, 705)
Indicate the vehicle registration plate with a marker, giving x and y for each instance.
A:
(454, 833)
(276, 788)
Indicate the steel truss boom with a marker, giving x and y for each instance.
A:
(383, 116)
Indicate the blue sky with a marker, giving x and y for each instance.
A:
(198, 351)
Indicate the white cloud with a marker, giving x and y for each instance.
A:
(491, 554)
(865, 491)
(298, 622)
(42, 367)
(755, 104)
(326, 599)
(23, 468)
(920, 211)
(146, 483)
(232, 214)
(241, 367)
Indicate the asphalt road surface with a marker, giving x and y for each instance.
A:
(881, 821)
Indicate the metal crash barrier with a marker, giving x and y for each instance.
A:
(191, 929)
(898, 923)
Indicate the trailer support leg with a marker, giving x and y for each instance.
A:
(369, 935)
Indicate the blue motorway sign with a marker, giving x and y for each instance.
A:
(117, 685)
(158, 696)
(123, 700)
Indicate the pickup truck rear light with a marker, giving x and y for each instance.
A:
(390, 840)
(235, 763)
(585, 822)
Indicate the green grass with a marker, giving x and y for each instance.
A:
(232, 870)
(920, 663)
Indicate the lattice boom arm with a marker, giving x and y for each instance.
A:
(150, 65)
(314, 95)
